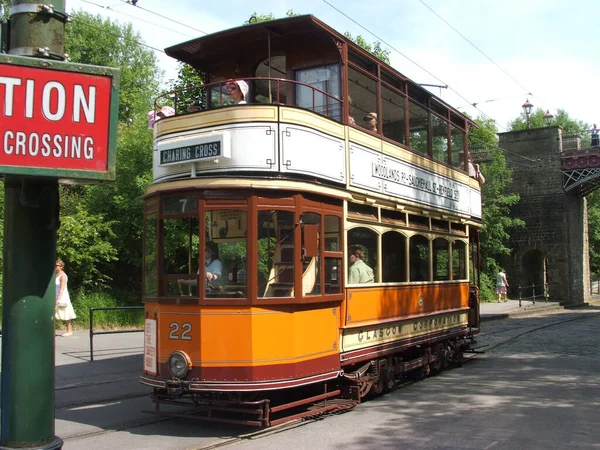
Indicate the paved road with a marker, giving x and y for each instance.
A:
(536, 375)
(537, 387)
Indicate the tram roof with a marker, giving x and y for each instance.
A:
(203, 51)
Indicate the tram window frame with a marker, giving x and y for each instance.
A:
(457, 147)
(416, 261)
(441, 266)
(226, 284)
(394, 255)
(440, 145)
(332, 103)
(362, 103)
(418, 122)
(459, 263)
(393, 104)
(289, 240)
(393, 217)
(370, 250)
(416, 221)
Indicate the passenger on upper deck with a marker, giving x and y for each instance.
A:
(165, 111)
(351, 120)
(371, 120)
(238, 90)
(474, 169)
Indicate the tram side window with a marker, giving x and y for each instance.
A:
(333, 250)
(419, 126)
(439, 138)
(366, 240)
(276, 253)
(325, 79)
(363, 91)
(393, 111)
(226, 238)
(457, 143)
(419, 258)
(459, 260)
(151, 258)
(393, 248)
(441, 259)
(180, 254)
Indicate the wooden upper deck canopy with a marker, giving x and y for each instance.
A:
(304, 40)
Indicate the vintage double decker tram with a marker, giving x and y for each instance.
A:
(253, 312)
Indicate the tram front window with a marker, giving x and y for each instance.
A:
(275, 253)
(180, 254)
(226, 240)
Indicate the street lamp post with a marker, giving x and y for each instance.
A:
(527, 109)
(548, 118)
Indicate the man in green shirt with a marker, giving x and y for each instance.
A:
(359, 272)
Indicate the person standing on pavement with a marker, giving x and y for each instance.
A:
(63, 309)
(501, 285)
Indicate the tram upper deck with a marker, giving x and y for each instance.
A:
(320, 109)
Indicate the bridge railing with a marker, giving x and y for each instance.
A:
(533, 291)
(571, 142)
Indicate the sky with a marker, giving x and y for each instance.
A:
(495, 54)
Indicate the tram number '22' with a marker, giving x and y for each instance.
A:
(185, 329)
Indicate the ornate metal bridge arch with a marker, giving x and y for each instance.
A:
(580, 165)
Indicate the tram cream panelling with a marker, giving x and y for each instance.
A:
(384, 174)
(212, 118)
(356, 339)
(310, 152)
(360, 168)
(312, 120)
(253, 147)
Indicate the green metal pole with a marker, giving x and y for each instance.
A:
(31, 218)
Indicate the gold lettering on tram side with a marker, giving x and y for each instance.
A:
(354, 339)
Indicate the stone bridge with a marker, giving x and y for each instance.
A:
(552, 174)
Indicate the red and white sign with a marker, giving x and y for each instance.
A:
(53, 119)
(150, 346)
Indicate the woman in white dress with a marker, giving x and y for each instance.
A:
(64, 309)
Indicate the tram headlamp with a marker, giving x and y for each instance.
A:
(179, 364)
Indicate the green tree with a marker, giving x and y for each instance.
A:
(84, 243)
(4, 9)
(375, 48)
(91, 39)
(255, 17)
(121, 202)
(497, 201)
(561, 119)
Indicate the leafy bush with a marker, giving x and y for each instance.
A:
(83, 301)
(488, 288)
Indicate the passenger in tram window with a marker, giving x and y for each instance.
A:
(371, 120)
(213, 268)
(195, 107)
(238, 90)
(165, 111)
(351, 120)
(474, 169)
(358, 271)
(595, 137)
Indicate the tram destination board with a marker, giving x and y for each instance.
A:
(58, 119)
(198, 148)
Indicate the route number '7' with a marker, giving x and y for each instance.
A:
(185, 329)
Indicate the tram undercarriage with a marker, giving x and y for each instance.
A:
(274, 407)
